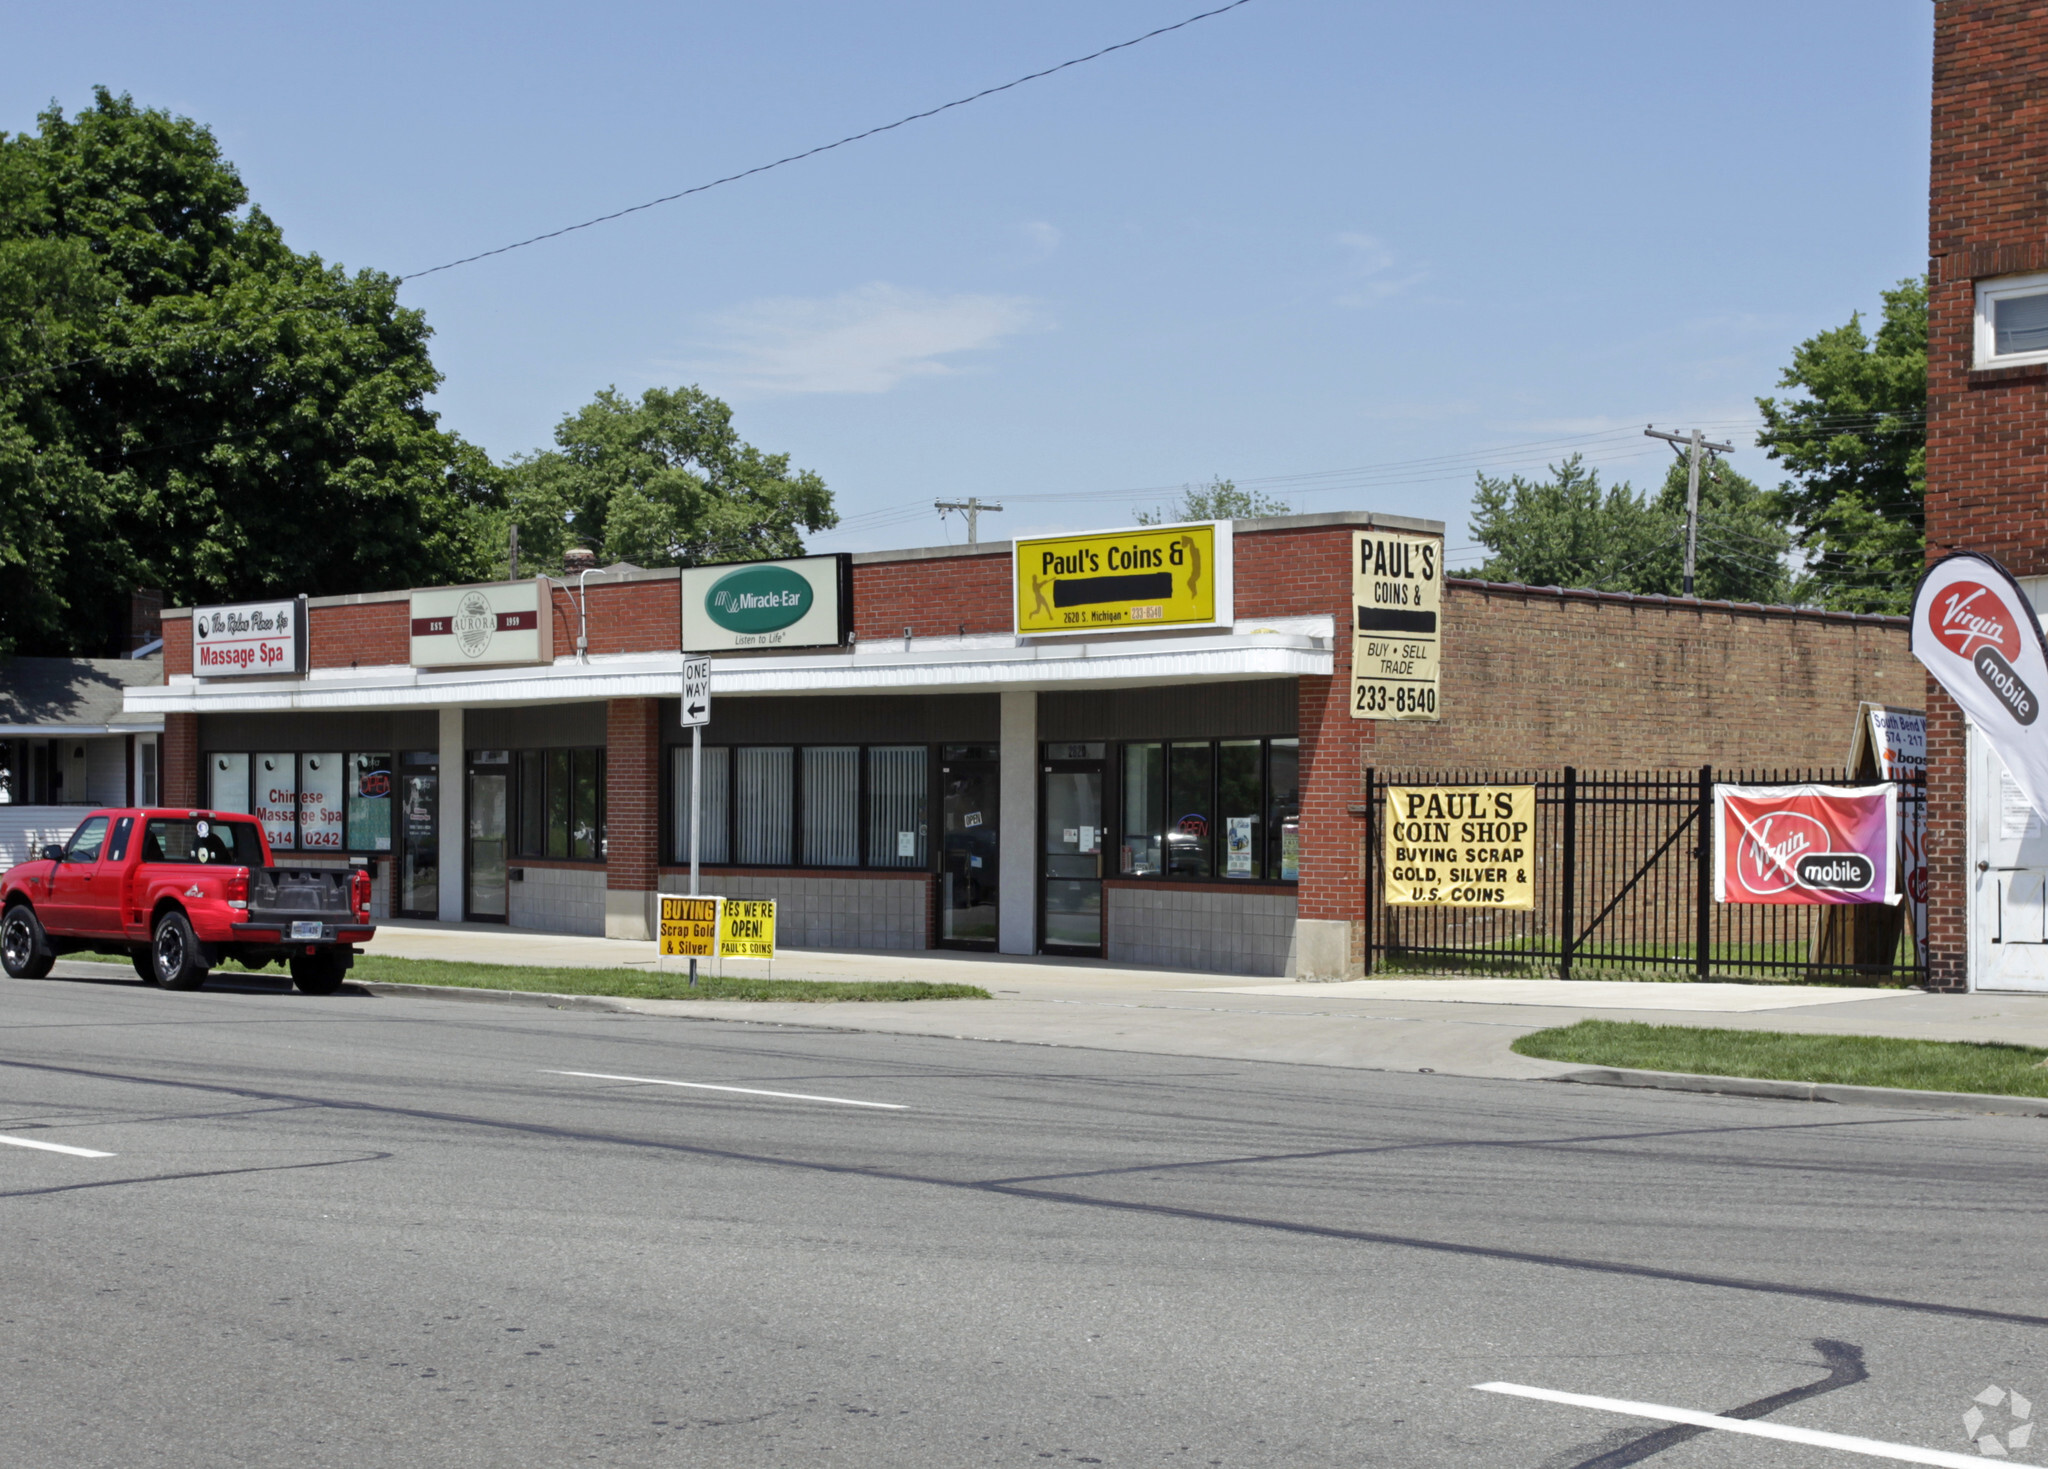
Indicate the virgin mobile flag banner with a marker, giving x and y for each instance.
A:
(1806, 844)
(1973, 628)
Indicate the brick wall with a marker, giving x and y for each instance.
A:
(179, 776)
(1987, 437)
(1535, 678)
(632, 794)
(941, 596)
(357, 633)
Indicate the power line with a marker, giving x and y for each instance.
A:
(828, 147)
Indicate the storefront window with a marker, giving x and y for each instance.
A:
(1143, 849)
(897, 788)
(558, 803)
(1283, 809)
(369, 803)
(766, 803)
(713, 814)
(227, 783)
(583, 832)
(831, 806)
(323, 808)
(533, 802)
(277, 800)
(1238, 807)
(1190, 813)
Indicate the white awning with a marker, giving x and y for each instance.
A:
(1270, 648)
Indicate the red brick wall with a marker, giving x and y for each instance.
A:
(179, 777)
(359, 633)
(942, 597)
(1987, 437)
(177, 645)
(632, 794)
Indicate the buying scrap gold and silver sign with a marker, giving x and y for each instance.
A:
(1460, 846)
(1397, 582)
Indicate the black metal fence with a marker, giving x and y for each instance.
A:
(1624, 887)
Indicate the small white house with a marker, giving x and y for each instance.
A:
(66, 746)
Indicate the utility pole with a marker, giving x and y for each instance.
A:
(1696, 442)
(971, 508)
(515, 553)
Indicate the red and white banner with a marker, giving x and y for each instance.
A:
(1974, 629)
(1806, 844)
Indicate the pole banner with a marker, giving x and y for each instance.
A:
(1974, 629)
(1806, 844)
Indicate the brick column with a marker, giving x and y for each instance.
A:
(1329, 936)
(632, 794)
(178, 781)
(1948, 877)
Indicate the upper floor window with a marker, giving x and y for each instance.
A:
(2012, 320)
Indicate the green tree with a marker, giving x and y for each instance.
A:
(1219, 499)
(661, 482)
(1856, 446)
(187, 403)
(1568, 531)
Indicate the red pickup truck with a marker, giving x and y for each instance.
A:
(181, 891)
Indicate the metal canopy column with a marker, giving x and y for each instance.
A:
(1017, 783)
(454, 822)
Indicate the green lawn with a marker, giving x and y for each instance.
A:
(1856, 1060)
(645, 984)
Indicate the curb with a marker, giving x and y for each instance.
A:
(1814, 1091)
(604, 1003)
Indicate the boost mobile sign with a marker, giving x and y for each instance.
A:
(1973, 628)
(802, 603)
(251, 638)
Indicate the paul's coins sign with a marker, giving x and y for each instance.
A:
(1397, 582)
(1460, 846)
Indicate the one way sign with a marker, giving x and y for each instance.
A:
(696, 691)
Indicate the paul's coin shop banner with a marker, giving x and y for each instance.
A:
(1460, 846)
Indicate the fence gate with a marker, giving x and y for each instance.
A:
(1624, 889)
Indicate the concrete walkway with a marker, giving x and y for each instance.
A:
(1454, 1026)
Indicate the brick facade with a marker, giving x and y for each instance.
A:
(1987, 436)
(178, 776)
(632, 794)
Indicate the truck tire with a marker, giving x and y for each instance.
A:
(25, 951)
(176, 961)
(318, 974)
(140, 958)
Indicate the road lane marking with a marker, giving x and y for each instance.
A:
(1869, 1447)
(29, 1142)
(705, 1086)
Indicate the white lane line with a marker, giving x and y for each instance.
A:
(29, 1142)
(705, 1086)
(1870, 1447)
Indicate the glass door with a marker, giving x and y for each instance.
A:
(1070, 875)
(968, 871)
(419, 858)
(489, 777)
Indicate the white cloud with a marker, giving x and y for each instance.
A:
(1042, 237)
(1369, 271)
(866, 340)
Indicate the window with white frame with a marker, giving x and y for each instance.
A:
(2012, 320)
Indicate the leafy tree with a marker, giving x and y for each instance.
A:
(189, 404)
(1856, 445)
(1219, 499)
(664, 481)
(1568, 531)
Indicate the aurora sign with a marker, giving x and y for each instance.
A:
(803, 603)
(1976, 632)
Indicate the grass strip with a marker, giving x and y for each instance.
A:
(646, 984)
(1849, 1060)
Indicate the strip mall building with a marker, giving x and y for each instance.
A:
(957, 746)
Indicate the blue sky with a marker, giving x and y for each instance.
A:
(1349, 252)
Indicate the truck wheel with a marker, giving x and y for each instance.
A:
(141, 960)
(25, 951)
(318, 974)
(175, 960)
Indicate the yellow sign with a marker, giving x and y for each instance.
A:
(746, 929)
(1123, 580)
(689, 927)
(1397, 583)
(1460, 846)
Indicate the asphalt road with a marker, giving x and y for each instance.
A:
(365, 1231)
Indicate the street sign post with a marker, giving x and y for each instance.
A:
(696, 714)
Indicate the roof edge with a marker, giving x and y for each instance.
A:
(1693, 604)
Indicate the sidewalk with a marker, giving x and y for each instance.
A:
(1455, 1026)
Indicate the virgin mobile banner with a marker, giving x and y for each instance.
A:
(1977, 635)
(1806, 844)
